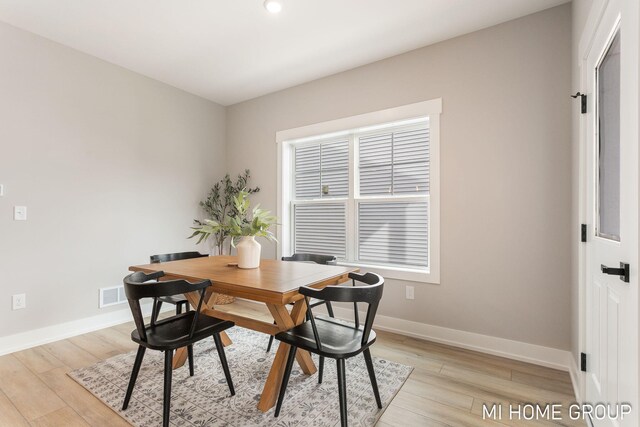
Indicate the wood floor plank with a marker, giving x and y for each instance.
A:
(125, 328)
(92, 410)
(62, 417)
(38, 359)
(440, 354)
(386, 351)
(396, 416)
(519, 391)
(122, 342)
(26, 391)
(96, 345)
(478, 392)
(439, 394)
(440, 412)
(70, 354)
(553, 384)
(541, 371)
(9, 414)
(459, 354)
(485, 394)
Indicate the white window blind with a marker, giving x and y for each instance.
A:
(393, 233)
(322, 170)
(395, 162)
(307, 177)
(320, 228)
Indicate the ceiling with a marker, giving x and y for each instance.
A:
(233, 50)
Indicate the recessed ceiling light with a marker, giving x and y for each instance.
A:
(273, 6)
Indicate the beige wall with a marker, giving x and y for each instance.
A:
(505, 161)
(111, 166)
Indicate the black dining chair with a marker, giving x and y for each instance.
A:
(178, 300)
(334, 338)
(317, 259)
(181, 330)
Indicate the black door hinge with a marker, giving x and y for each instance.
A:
(583, 362)
(583, 233)
(583, 101)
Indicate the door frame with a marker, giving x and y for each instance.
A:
(587, 38)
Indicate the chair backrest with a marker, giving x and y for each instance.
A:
(370, 293)
(137, 288)
(154, 259)
(318, 259)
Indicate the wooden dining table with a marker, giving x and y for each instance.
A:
(275, 284)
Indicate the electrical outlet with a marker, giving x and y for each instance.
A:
(20, 213)
(409, 291)
(19, 301)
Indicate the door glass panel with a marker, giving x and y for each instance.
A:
(608, 140)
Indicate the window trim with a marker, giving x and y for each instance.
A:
(333, 129)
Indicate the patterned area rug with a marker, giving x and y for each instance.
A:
(204, 400)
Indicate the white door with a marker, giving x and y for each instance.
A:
(610, 138)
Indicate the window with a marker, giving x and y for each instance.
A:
(366, 194)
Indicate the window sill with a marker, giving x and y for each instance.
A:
(389, 272)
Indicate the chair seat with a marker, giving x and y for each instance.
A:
(174, 299)
(340, 339)
(173, 332)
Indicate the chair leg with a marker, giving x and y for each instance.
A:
(330, 309)
(270, 341)
(168, 370)
(285, 378)
(179, 308)
(320, 369)
(223, 361)
(372, 377)
(342, 392)
(134, 376)
(190, 355)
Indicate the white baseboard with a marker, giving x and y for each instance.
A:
(36, 337)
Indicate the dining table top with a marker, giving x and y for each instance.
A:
(274, 281)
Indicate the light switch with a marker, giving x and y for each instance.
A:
(1, 190)
(20, 213)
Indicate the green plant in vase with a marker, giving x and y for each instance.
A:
(242, 228)
(219, 205)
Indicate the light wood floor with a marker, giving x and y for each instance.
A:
(447, 387)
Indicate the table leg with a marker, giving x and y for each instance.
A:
(302, 356)
(226, 341)
(285, 321)
(180, 356)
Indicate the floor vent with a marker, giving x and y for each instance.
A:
(112, 296)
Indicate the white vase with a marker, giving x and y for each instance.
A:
(248, 252)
